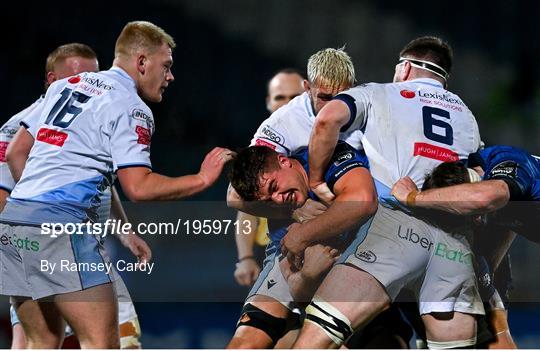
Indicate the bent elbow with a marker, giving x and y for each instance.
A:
(490, 201)
(135, 194)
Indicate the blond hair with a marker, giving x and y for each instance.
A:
(331, 67)
(68, 50)
(141, 35)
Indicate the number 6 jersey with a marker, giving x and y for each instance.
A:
(87, 127)
(408, 128)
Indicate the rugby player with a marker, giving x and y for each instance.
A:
(93, 127)
(501, 182)
(408, 126)
(68, 60)
(285, 85)
(287, 131)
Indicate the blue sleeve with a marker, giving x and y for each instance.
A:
(514, 168)
(344, 159)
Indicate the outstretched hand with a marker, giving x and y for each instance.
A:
(213, 163)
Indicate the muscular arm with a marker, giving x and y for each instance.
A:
(324, 137)
(18, 151)
(141, 184)
(355, 202)
(466, 199)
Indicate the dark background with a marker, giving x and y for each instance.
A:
(227, 50)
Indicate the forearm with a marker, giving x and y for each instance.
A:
(321, 146)
(466, 199)
(245, 239)
(341, 217)
(324, 138)
(16, 162)
(154, 186)
(117, 210)
(303, 289)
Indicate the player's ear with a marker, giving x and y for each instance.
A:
(141, 64)
(268, 107)
(307, 87)
(405, 71)
(284, 161)
(51, 77)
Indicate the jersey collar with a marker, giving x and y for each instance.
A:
(428, 81)
(127, 80)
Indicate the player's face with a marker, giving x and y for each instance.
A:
(283, 88)
(284, 186)
(157, 74)
(321, 94)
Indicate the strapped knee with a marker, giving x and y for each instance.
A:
(334, 323)
(275, 327)
(456, 344)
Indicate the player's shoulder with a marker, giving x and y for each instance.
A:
(298, 109)
(362, 88)
(12, 124)
(300, 106)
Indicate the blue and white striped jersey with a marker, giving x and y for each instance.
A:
(87, 127)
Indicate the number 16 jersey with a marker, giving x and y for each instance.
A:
(87, 127)
(408, 128)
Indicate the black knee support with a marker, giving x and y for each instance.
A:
(275, 327)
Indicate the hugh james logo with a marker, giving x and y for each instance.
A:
(366, 256)
(407, 94)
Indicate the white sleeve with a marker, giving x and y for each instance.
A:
(478, 143)
(274, 134)
(358, 101)
(131, 133)
(31, 120)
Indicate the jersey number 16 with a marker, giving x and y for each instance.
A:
(62, 114)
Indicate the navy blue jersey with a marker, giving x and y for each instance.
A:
(344, 159)
(521, 171)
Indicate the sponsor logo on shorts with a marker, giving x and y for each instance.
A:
(244, 319)
(20, 243)
(261, 142)
(271, 283)
(272, 134)
(407, 94)
(366, 256)
(143, 135)
(343, 157)
(504, 169)
(51, 136)
(442, 250)
(415, 238)
(435, 152)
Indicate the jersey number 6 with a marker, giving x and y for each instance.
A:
(430, 122)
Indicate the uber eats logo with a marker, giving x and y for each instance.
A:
(23, 244)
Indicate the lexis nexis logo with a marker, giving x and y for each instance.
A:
(20, 243)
